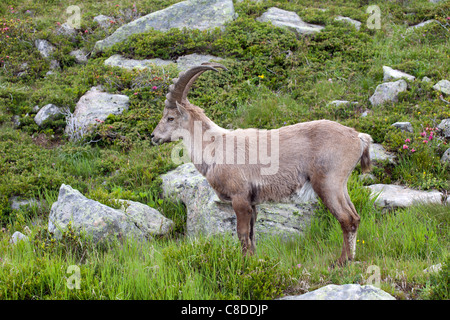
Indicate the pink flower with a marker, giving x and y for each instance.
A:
(413, 150)
(58, 23)
(407, 140)
(425, 141)
(85, 31)
(423, 134)
(135, 93)
(405, 146)
(299, 265)
(430, 137)
(154, 87)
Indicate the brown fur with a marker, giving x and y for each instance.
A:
(322, 153)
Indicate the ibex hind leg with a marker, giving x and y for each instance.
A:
(336, 201)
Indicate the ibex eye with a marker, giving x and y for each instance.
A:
(170, 119)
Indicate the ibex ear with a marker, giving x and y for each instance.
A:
(182, 110)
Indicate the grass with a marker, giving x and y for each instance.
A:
(274, 79)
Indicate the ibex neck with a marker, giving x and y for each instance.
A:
(203, 133)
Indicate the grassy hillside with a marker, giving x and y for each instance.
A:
(275, 78)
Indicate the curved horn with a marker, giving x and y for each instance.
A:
(179, 89)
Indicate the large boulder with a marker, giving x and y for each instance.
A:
(344, 292)
(191, 14)
(388, 92)
(394, 196)
(101, 222)
(94, 107)
(290, 20)
(206, 214)
(119, 61)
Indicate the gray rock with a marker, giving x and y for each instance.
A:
(446, 156)
(392, 74)
(206, 214)
(119, 61)
(191, 60)
(443, 86)
(388, 92)
(344, 292)
(80, 56)
(17, 236)
(66, 30)
(95, 106)
(290, 20)
(103, 21)
(47, 112)
(191, 14)
(434, 268)
(444, 127)
(337, 103)
(16, 204)
(101, 222)
(426, 79)
(404, 126)
(395, 196)
(379, 153)
(422, 24)
(355, 23)
(45, 48)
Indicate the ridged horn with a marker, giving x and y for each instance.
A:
(179, 89)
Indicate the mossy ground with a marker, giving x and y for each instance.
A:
(275, 78)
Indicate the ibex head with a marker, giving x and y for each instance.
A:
(176, 115)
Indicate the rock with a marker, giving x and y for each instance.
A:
(95, 106)
(54, 65)
(290, 20)
(66, 30)
(103, 21)
(47, 112)
(16, 204)
(388, 92)
(101, 222)
(379, 153)
(191, 14)
(443, 86)
(426, 79)
(394, 196)
(444, 127)
(433, 268)
(191, 60)
(118, 61)
(446, 156)
(17, 236)
(392, 74)
(80, 56)
(206, 214)
(344, 292)
(404, 126)
(422, 24)
(45, 48)
(16, 121)
(355, 23)
(435, 1)
(337, 103)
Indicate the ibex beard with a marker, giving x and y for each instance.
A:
(250, 166)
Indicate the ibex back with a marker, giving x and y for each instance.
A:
(250, 166)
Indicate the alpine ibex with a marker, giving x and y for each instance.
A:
(250, 166)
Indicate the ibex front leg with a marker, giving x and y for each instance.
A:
(244, 214)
